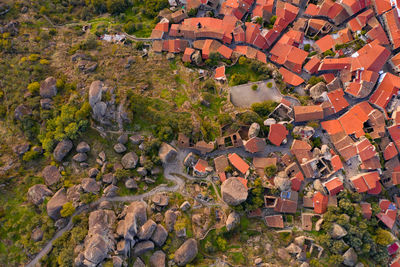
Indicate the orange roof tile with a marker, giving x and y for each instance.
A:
(392, 22)
(337, 100)
(225, 51)
(386, 90)
(336, 163)
(325, 43)
(382, 6)
(390, 151)
(290, 78)
(275, 221)
(220, 73)
(188, 54)
(295, 184)
(201, 165)
(312, 65)
(255, 144)
(238, 163)
(308, 113)
(320, 202)
(366, 210)
(277, 133)
(353, 120)
(334, 186)
(332, 126)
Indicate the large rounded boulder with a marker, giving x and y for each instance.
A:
(37, 193)
(56, 203)
(186, 253)
(48, 88)
(234, 191)
(62, 149)
(167, 153)
(51, 175)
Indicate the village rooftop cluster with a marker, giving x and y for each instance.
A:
(352, 46)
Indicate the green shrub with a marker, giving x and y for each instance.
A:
(239, 78)
(34, 87)
(254, 87)
(30, 155)
(269, 85)
(307, 47)
(67, 210)
(264, 108)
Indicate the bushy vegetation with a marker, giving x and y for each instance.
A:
(367, 238)
(264, 108)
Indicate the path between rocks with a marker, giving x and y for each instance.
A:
(172, 172)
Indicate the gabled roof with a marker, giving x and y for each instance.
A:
(337, 100)
(334, 186)
(320, 202)
(285, 206)
(388, 217)
(353, 120)
(290, 78)
(221, 162)
(277, 133)
(187, 55)
(325, 43)
(308, 113)
(393, 25)
(275, 221)
(220, 73)
(381, 6)
(255, 144)
(238, 163)
(365, 181)
(386, 90)
(201, 166)
(366, 210)
(390, 151)
(312, 65)
(336, 163)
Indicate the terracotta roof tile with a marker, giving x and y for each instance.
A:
(275, 221)
(238, 163)
(220, 73)
(277, 133)
(255, 144)
(390, 151)
(312, 65)
(308, 113)
(334, 186)
(336, 163)
(290, 78)
(320, 203)
(386, 90)
(366, 210)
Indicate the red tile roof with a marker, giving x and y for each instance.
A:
(220, 73)
(187, 55)
(238, 163)
(334, 186)
(382, 6)
(225, 51)
(277, 133)
(312, 65)
(295, 184)
(290, 78)
(336, 163)
(365, 181)
(366, 210)
(386, 90)
(201, 166)
(255, 144)
(390, 151)
(275, 221)
(336, 98)
(332, 127)
(325, 43)
(288, 55)
(285, 206)
(353, 120)
(388, 217)
(393, 25)
(308, 113)
(320, 203)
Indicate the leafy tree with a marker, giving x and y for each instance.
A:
(383, 237)
(116, 6)
(307, 47)
(264, 108)
(270, 170)
(192, 12)
(314, 80)
(259, 20)
(67, 210)
(239, 78)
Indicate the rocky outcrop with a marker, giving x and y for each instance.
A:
(80, 157)
(160, 235)
(131, 184)
(170, 219)
(317, 90)
(82, 147)
(143, 247)
(56, 203)
(254, 130)
(93, 172)
(22, 111)
(350, 257)
(317, 184)
(100, 240)
(282, 181)
(95, 93)
(167, 153)
(48, 88)
(138, 263)
(119, 148)
(157, 259)
(62, 149)
(232, 221)
(186, 253)
(37, 193)
(338, 231)
(37, 235)
(90, 185)
(185, 206)
(51, 175)
(147, 230)
(111, 191)
(233, 191)
(129, 160)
